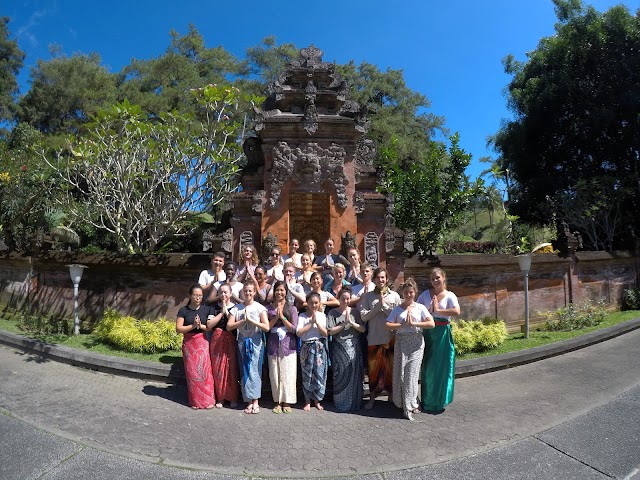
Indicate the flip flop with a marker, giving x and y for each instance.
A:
(277, 409)
(218, 405)
(249, 410)
(256, 410)
(286, 410)
(209, 407)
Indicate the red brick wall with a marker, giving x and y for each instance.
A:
(150, 286)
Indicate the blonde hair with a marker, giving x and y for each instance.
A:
(315, 247)
(442, 273)
(409, 283)
(255, 260)
(339, 266)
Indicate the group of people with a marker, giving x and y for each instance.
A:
(321, 314)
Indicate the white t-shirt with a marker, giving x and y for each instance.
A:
(296, 287)
(236, 288)
(275, 272)
(313, 333)
(358, 290)
(208, 276)
(419, 313)
(449, 301)
(253, 311)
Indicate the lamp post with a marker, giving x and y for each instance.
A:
(75, 271)
(524, 261)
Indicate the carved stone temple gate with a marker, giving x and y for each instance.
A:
(310, 170)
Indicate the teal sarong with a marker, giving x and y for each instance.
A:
(438, 367)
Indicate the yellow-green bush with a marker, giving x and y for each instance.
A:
(476, 336)
(140, 336)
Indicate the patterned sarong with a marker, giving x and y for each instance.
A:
(197, 369)
(380, 367)
(313, 365)
(251, 356)
(346, 359)
(224, 364)
(407, 362)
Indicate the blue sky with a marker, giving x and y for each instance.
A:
(450, 51)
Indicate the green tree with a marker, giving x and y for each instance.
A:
(396, 111)
(25, 189)
(575, 103)
(163, 84)
(140, 179)
(431, 195)
(11, 60)
(65, 92)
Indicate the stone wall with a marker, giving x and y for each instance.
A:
(150, 286)
(493, 285)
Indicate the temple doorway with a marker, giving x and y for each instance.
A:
(309, 215)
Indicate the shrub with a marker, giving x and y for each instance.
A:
(469, 247)
(631, 299)
(134, 335)
(573, 317)
(476, 336)
(45, 325)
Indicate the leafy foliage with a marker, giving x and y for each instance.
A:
(574, 317)
(25, 189)
(572, 148)
(139, 179)
(140, 336)
(65, 92)
(478, 336)
(11, 61)
(431, 193)
(469, 247)
(45, 325)
(631, 299)
(162, 84)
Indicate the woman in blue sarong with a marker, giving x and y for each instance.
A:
(312, 331)
(439, 361)
(250, 319)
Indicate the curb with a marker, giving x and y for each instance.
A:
(175, 373)
(477, 366)
(95, 361)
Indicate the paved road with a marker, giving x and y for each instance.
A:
(571, 416)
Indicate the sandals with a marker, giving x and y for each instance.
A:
(286, 410)
(218, 405)
(277, 409)
(249, 410)
(256, 410)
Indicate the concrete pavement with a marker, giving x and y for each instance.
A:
(569, 416)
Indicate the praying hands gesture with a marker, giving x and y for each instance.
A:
(435, 306)
(409, 320)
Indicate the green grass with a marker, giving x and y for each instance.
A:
(514, 343)
(8, 322)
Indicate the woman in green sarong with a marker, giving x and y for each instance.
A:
(439, 361)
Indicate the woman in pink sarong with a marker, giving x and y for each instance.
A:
(223, 350)
(191, 322)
